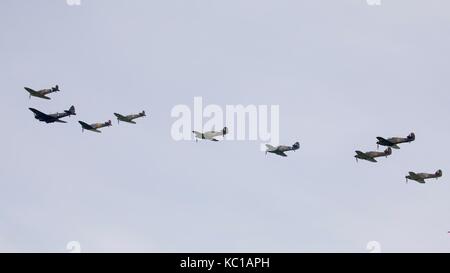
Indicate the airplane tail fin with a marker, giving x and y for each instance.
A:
(109, 123)
(296, 146)
(412, 137)
(143, 114)
(71, 111)
(56, 88)
(225, 130)
(388, 151)
(439, 173)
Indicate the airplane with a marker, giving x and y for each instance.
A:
(94, 127)
(129, 118)
(280, 150)
(420, 177)
(53, 117)
(370, 156)
(394, 141)
(42, 93)
(210, 135)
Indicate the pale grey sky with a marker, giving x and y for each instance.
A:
(342, 72)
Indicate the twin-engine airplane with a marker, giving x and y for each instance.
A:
(394, 141)
(53, 117)
(420, 177)
(94, 127)
(210, 135)
(370, 156)
(280, 150)
(129, 118)
(42, 93)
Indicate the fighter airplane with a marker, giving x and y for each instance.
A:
(280, 150)
(210, 135)
(42, 93)
(370, 156)
(94, 127)
(53, 117)
(129, 118)
(394, 141)
(420, 177)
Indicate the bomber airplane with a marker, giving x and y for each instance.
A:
(280, 150)
(53, 117)
(129, 118)
(420, 177)
(42, 93)
(210, 135)
(394, 141)
(94, 127)
(370, 156)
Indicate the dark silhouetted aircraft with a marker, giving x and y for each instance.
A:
(420, 177)
(394, 141)
(94, 127)
(370, 156)
(210, 135)
(280, 150)
(129, 118)
(53, 117)
(42, 93)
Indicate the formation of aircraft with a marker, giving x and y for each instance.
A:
(370, 156)
(129, 118)
(53, 117)
(394, 141)
(42, 93)
(94, 127)
(281, 150)
(210, 135)
(421, 177)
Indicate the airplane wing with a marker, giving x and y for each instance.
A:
(365, 157)
(119, 116)
(384, 141)
(86, 126)
(36, 94)
(281, 154)
(37, 112)
(44, 117)
(416, 178)
(270, 147)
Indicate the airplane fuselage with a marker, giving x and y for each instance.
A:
(129, 118)
(42, 93)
